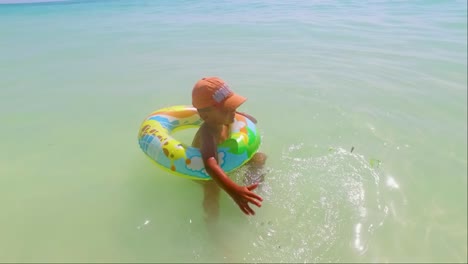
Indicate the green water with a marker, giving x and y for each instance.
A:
(386, 78)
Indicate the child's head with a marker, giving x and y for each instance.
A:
(215, 101)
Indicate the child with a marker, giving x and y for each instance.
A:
(217, 105)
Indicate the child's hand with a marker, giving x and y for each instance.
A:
(243, 195)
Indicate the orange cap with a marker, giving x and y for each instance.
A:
(212, 91)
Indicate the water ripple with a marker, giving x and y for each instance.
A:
(322, 205)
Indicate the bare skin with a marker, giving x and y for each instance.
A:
(215, 130)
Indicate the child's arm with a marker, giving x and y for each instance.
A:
(242, 195)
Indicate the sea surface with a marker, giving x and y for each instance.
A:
(362, 109)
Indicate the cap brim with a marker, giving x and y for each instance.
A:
(234, 101)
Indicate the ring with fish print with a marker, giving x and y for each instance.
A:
(156, 141)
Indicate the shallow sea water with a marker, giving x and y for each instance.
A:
(385, 79)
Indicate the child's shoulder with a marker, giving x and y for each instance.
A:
(203, 133)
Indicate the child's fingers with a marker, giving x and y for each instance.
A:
(250, 210)
(244, 210)
(252, 187)
(255, 196)
(255, 201)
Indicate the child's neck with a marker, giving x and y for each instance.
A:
(216, 128)
(221, 132)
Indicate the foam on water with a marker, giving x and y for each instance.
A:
(318, 209)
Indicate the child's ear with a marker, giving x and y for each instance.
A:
(203, 114)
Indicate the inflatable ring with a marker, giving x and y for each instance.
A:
(157, 143)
